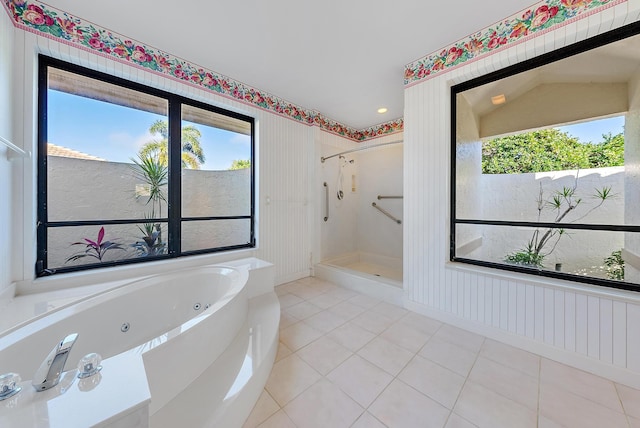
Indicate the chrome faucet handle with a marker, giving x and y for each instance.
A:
(48, 374)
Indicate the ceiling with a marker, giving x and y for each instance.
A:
(343, 58)
(612, 63)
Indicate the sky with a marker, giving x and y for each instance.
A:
(116, 133)
(592, 131)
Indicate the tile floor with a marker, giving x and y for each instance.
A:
(349, 360)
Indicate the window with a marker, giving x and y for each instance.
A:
(128, 173)
(530, 191)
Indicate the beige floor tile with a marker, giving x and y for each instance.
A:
(342, 293)
(384, 354)
(400, 406)
(325, 321)
(630, 400)
(289, 377)
(288, 299)
(367, 421)
(263, 409)
(509, 383)
(421, 323)
(571, 410)
(509, 356)
(365, 301)
(337, 410)
(299, 335)
(287, 320)
(325, 301)
(393, 311)
(460, 337)
(485, 408)
(284, 288)
(302, 310)
(373, 321)
(449, 355)
(278, 420)
(360, 379)
(306, 291)
(406, 336)
(347, 310)
(592, 387)
(456, 421)
(324, 354)
(433, 380)
(283, 351)
(351, 336)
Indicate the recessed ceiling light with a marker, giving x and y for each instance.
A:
(498, 99)
(382, 110)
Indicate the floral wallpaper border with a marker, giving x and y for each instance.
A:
(44, 20)
(538, 19)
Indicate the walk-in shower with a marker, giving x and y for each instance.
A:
(361, 231)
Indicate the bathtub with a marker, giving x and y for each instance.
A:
(182, 326)
(372, 274)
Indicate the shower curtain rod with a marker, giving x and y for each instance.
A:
(322, 159)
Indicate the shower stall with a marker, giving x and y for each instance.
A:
(361, 219)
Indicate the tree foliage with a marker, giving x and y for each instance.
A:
(549, 150)
(192, 154)
(240, 164)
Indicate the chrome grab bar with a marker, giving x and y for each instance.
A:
(389, 197)
(326, 199)
(374, 205)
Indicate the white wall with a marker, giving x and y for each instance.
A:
(380, 173)
(284, 170)
(354, 225)
(589, 327)
(7, 244)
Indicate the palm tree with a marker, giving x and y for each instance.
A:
(192, 154)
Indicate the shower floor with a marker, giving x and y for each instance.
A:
(378, 270)
(375, 275)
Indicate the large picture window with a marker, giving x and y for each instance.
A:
(545, 159)
(128, 173)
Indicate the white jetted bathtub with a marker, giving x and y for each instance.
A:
(190, 333)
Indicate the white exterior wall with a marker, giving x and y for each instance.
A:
(593, 328)
(283, 153)
(513, 197)
(7, 167)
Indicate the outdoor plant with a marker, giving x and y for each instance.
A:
(615, 266)
(151, 244)
(149, 169)
(96, 249)
(544, 241)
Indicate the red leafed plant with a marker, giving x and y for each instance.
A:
(96, 249)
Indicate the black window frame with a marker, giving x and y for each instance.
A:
(174, 218)
(611, 36)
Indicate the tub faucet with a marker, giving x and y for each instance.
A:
(48, 374)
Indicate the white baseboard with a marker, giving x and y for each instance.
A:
(599, 368)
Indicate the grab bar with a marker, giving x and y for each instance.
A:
(389, 197)
(373, 204)
(326, 199)
(17, 150)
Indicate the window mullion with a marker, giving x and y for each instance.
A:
(175, 176)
